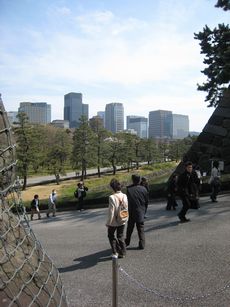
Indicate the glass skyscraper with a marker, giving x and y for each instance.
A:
(139, 124)
(74, 109)
(114, 117)
(160, 124)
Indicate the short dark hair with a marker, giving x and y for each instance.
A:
(136, 179)
(215, 164)
(188, 163)
(36, 196)
(115, 185)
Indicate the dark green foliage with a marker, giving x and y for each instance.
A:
(215, 45)
(224, 4)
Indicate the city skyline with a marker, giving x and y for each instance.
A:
(141, 54)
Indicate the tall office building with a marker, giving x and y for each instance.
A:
(102, 115)
(114, 117)
(180, 126)
(12, 116)
(139, 124)
(160, 124)
(74, 109)
(37, 112)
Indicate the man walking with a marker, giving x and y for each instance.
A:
(52, 203)
(137, 203)
(187, 186)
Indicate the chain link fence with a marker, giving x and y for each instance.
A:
(28, 277)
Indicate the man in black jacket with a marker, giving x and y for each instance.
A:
(137, 202)
(187, 186)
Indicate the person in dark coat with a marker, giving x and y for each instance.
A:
(144, 183)
(137, 203)
(171, 192)
(35, 207)
(187, 187)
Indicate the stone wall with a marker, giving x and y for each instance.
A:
(213, 143)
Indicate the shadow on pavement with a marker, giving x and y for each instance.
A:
(88, 261)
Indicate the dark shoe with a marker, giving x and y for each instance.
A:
(126, 243)
(47, 215)
(184, 220)
(174, 208)
(121, 256)
(141, 247)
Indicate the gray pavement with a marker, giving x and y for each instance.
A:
(182, 265)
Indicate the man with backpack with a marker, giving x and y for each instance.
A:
(138, 202)
(80, 193)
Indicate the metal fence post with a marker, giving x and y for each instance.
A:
(115, 280)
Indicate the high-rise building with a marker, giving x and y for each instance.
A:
(114, 117)
(102, 115)
(139, 124)
(74, 109)
(160, 124)
(180, 126)
(37, 112)
(12, 116)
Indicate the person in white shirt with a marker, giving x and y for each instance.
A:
(214, 181)
(52, 203)
(113, 224)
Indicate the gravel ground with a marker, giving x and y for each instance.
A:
(182, 264)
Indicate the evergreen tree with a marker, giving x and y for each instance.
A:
(24, 141)
(83, 154)
(58, 153)
(216, 48)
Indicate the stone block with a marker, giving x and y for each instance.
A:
(216, 120)
(223, 112)
(218, 141)
(226, 123)
(226, 142)
(216, 130)
(205, 137)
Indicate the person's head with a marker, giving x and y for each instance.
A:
(143, 180)
(136, 179)
(115, 185)
(36, 196)
(188, 166)
(215, 164)
(54, 192)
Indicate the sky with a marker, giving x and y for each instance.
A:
(140, 53)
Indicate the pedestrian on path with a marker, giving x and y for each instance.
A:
(187, 187)
(214, 181)
(81, 194)
(52, 203)
(35, 207)
(114, 224)
(137, 202)
(171, 192)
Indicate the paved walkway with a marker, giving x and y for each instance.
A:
(182, 265)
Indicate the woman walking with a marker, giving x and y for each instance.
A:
(114, 223)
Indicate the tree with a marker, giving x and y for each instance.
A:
(24, 141)
(224, 4)
(58, 153)
(216, 48)
(83, 154)
(100, 134)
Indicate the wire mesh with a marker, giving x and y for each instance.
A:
(28, 277)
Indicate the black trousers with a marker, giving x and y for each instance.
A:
(117, 243)
(185, 207)
(140, 231)
(215, 191)
(80, 203)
